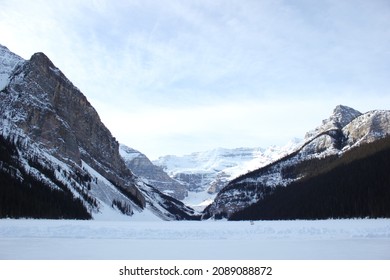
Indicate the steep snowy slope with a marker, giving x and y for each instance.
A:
(8, 62)
(59, 139)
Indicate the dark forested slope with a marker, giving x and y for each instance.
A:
(23, 194)
(355, 185)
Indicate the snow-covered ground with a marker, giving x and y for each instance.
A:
(68, 239)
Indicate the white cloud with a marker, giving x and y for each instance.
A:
(188, 74)
(231, 124)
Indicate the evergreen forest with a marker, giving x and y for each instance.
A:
(355, 185)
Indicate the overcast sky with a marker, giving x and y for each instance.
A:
(174, 77)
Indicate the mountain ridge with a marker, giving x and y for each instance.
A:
(331, 139)
(59, 136)
(354, 185)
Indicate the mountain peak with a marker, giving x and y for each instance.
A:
(60, 143)
(41, 59)
(3, 47)
(343, 115)
(51, 111)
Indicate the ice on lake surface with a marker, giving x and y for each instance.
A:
(215, 240)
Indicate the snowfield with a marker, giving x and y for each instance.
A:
(361, 239)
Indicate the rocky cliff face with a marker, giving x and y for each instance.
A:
(154, 175)
(40, 104)
(345, 129)
(41, 101)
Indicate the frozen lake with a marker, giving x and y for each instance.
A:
(361, 239)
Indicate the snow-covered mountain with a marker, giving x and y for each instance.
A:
(343, 131)
(205, 173)
(53, 141)
(8, 62)
(58, 160)
(154, 175)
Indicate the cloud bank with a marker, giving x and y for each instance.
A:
(172, 77)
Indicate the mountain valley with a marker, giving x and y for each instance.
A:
(59, 161)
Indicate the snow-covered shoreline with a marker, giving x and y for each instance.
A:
(70, 239)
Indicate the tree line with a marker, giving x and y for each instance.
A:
(22, 195)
